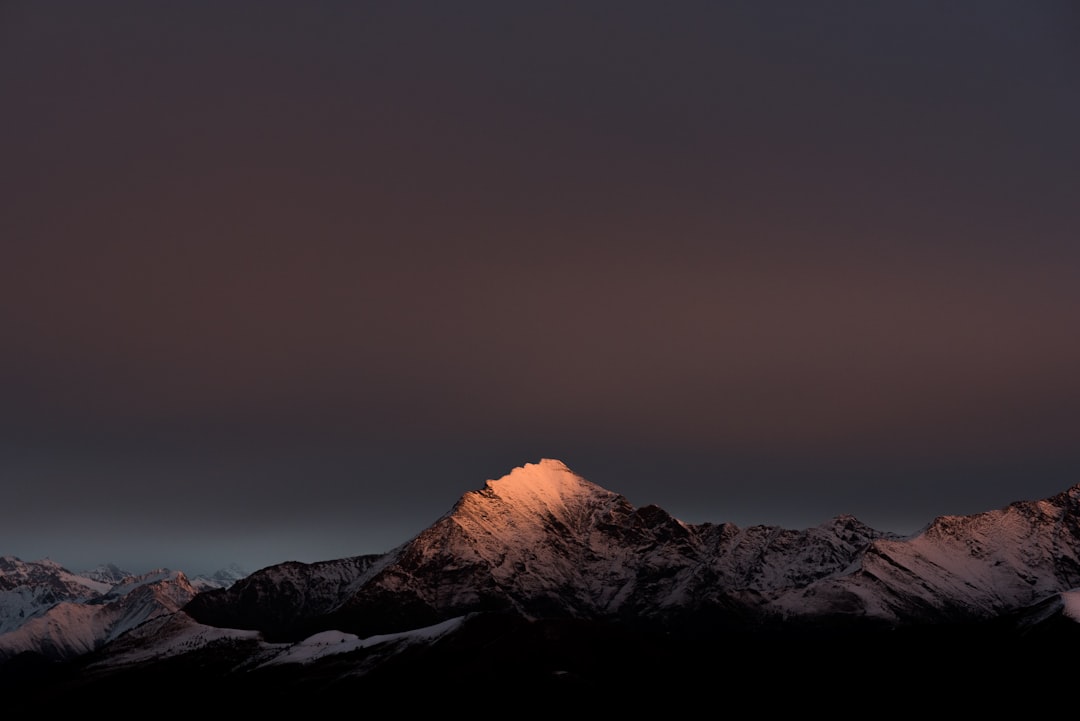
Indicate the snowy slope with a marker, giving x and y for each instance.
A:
(334, 643)
(960, 567)
(30, 588)
(1071, 601)
(538, 536)
(71, 628)
(170, 635)
(108, 573)
(222, 578)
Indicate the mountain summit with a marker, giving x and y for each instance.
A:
(513, 517)
(547, 489)
(524, 541)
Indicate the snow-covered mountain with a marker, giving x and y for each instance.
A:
(73, 627)
(49, 610)
(108, 573)
(541, 579)
(222, 578)
(958, 568)
(544, 542)
(30, 588)
(541, 542)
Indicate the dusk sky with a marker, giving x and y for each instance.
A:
(283, 280)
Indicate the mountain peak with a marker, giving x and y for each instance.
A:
(543, 473)
(531, 497)
(547, 485)
(538, 469)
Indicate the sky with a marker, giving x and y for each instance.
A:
(282, 281)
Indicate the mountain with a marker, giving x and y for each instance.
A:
(283, 601)
(543, 542)
(29, 589)
(108, 573)
(222, 578)
(958, 568)
(72, 627)
(540, 542)
(543, 585)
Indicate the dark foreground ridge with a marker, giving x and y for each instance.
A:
(548, 664)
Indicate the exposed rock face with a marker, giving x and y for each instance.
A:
(282, 600)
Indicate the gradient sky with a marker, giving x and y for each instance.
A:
(282, 280)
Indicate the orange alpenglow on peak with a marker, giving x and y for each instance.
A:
(547, 484)
(548, 474)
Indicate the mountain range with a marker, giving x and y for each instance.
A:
(543, 585)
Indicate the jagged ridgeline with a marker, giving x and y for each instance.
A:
(543, 581)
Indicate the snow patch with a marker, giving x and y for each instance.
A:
(328, 643)
(1071, 600)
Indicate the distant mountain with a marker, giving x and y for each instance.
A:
(108, 573)
(72, 627)
(29, 589)
(545, 584)
(50, 611)
(222, 578)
